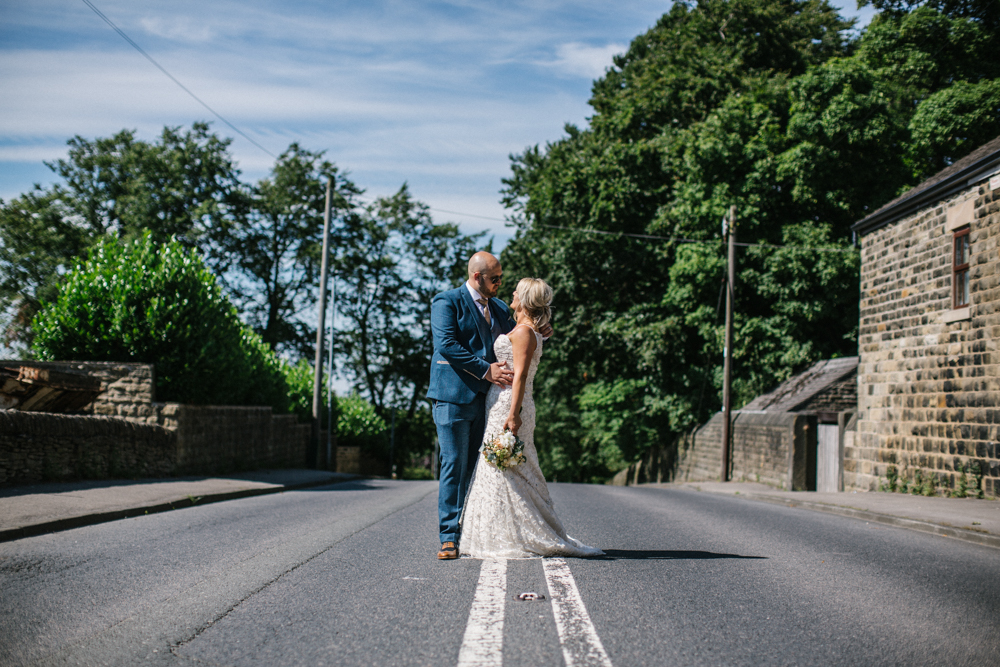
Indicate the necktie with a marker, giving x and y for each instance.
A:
(486, 310)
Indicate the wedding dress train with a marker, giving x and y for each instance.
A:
(509, 514)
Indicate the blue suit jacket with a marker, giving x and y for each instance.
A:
(463, 345)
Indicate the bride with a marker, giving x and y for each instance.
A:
(509, 514)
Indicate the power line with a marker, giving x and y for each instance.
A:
(174, 79)
(677, 239)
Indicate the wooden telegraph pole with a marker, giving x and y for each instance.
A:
(313, 453)
(727, 367)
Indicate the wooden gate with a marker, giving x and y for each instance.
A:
(828, 458)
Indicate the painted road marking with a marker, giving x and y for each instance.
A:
(580, 644)
(482, 645)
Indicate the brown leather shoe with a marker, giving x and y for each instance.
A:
(448, 551)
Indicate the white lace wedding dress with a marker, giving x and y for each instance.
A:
(509, 514)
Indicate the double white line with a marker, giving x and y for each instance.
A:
(483, 642)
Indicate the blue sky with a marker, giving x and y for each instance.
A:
(436, 94)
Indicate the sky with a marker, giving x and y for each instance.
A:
(435, 94)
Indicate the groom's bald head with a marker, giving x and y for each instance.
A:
(482, 262)
(485, 273)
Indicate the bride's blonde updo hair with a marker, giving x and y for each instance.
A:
(536, 298)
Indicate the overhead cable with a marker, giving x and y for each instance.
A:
(677, 239)
(174, 79)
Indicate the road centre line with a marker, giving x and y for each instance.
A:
(580, 644)
(482, 645)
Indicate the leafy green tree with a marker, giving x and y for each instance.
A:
(360, 425)
(147, 302)
(270, 257)
(391, 259)
(39, 241)
(951, 123)
(184, 185)
(299, 378)
(766, 105)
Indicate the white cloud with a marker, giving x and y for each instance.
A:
(584, 60)
(32, 153)
(435, 94)
(178, 28)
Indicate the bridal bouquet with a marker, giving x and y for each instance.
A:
(503, 450)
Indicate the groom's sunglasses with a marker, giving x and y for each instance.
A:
(497, 280)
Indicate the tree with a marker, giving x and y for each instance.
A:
(185, 185)
(38, 242)
(160, 304)
(766, 105)
(270, 257)
(391, 259)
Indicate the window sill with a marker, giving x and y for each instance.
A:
(956, 315)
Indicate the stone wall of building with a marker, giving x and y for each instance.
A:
(929, 376)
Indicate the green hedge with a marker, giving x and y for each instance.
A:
(358, 425)
(141, 301)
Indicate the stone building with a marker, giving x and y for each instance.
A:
(792, 437)
(929, 371)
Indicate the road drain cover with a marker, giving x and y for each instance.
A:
(530, 596)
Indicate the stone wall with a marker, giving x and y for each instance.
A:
(124, 433)
(762, 448)
(929, 377)
(215, 439)
(127, 389)
(771, 448)
(183, 440)
(37, 446)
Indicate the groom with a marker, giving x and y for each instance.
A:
(465, 322)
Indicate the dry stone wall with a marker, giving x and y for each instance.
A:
(36, 446)
(929, 376)
(771, 448)
(761, 446)
(124, 433)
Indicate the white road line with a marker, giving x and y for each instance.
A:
(580, 644)
(483, 642)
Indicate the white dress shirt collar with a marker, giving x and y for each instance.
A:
(476, 296)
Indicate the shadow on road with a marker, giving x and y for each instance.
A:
(625, 554)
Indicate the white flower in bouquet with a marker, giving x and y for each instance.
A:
(502, 450)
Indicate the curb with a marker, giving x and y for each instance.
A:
(104, 517)
(985, 539)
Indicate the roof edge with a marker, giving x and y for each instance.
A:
(956, 182)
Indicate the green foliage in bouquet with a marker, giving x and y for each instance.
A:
(145, 302)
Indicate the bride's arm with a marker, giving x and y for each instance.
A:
(523, 342)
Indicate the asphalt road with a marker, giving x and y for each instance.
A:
(346, 575)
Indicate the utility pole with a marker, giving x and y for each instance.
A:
(313, 452)
(331, 426)
(729, 230)
(392, 446)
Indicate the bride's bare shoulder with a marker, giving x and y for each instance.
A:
(522, 336)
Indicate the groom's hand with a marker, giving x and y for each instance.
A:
(546, 331)
(500, 375)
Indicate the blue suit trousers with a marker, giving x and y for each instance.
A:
(460, 429)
